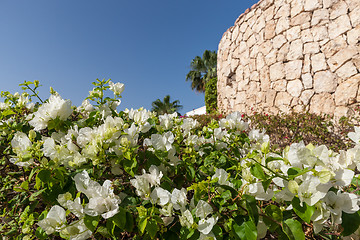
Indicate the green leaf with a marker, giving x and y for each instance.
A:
(293, 229)
(350, 223)
(152, 228)
(274, 213)
(266, 183)
(305, 212)
(129, 222)
(142, 224)
(246, 231)
(257, 171)
(7, 112)
(40, 233)
(91, 222)
(251, 207)
(44, 175)
(35, 194)
(120, 218)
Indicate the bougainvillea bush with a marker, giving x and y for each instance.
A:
(91, 172)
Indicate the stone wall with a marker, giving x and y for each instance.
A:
(284, 55)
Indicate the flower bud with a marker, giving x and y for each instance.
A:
(293, 186)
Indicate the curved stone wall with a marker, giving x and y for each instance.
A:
(284, 55)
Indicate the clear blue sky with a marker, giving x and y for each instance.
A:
(147, 45)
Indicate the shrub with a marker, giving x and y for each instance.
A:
(92, 172)
(211, 95)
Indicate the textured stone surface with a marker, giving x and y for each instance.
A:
(324, 81)
(292, 55)
(346, 91)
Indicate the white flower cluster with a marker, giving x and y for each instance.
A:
(324, 176)
(102, 201)
(148, 187)
(55, 107)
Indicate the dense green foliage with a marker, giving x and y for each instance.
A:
(91, 172)
(211, 95)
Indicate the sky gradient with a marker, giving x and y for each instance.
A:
(147, 45)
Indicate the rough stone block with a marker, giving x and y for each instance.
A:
(284, 11)
(319, 33)
(338, 9)
(283, 98)
(282, 25)
(319, 17)
(347, 70)
(333, 46)
(307, 64)
(271, 57)
(339, 26)
(318, 62)
(279, 86)
(324, 81)
(295, 50)
(341, 57)
(270, 30)
(310, 5)
(294, 88)
(282, 53)
(322, 103)
(311, 48)
(346, 91)
(306, 96)
(296, 7)
(293, 33)
(278, 41)
(302, 18)
(270, 97)
(307, 80)
(353, 36)
(355, 17)
(277, 71)
(329, 3)
(293, 69)
(306, 36)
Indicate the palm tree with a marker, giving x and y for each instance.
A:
(162, 107)
(202, 70)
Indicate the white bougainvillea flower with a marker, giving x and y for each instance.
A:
(160, 142)
(154, 176)
(21, 145)
(160, 196)
(102, 200)
(55, 220)
(77, 231)
(355, 136)
(312, 190)
(144, 182)
(188, 124)
(257, 190)
(117, 88)
(222, 177)
(55, 107)
(167, 120)
(343, 177)
(142, 186)
(234, 121)
(179, 199)
(341, 202)
(203, 209)
(75, 206)
(206, 225)
(106, 206)
(186, 219)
